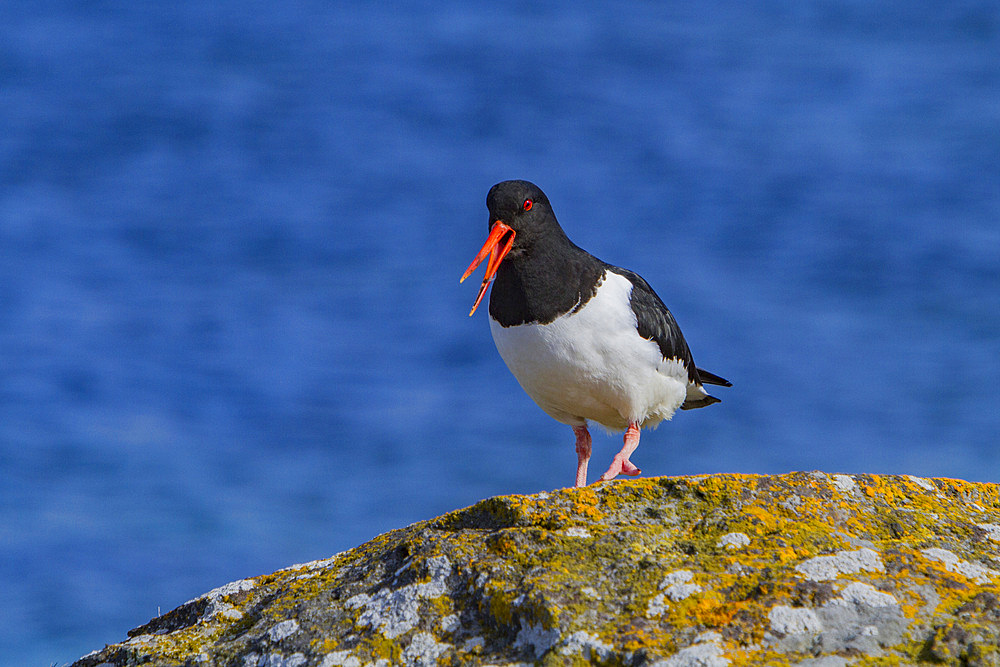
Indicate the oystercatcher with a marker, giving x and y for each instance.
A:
(587, 341)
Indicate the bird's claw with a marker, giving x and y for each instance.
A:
(620, 467)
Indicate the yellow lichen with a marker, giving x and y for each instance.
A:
(524, 560)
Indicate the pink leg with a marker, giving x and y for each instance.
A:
(582, 454)
(620, 465)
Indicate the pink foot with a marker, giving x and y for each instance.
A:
(629, 469)
(621, 465)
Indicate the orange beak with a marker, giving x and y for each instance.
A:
(496, 253)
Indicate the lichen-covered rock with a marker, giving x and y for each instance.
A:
(804, 568)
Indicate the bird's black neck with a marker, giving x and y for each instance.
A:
(544, 281)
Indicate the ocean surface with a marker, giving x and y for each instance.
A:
(232, 336)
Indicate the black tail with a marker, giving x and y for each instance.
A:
(707, 400)
(711, 378)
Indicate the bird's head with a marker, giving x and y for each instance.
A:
(519, 214)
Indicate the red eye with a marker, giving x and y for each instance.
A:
(527, 204)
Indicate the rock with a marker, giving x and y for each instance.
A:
(804, 568)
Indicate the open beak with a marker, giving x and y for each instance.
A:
(493, 248)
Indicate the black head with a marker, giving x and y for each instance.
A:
(520, 219)
(523, 207)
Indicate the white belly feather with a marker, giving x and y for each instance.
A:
(593, 365)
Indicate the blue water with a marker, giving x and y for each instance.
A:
(232, 336)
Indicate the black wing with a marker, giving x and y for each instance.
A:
(655, 322)
(712, 378)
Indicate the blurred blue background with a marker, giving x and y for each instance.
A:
(232, 336)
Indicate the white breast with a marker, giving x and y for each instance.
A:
(593, 364)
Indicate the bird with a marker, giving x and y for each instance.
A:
(587, 341)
